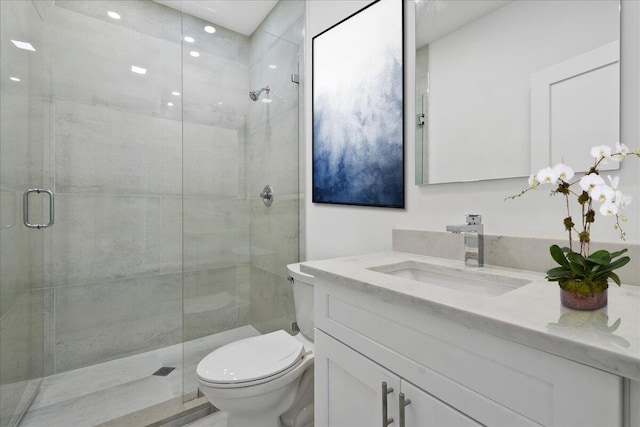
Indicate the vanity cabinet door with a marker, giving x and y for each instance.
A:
(348, 387)
(425, 410)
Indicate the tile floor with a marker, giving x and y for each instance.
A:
(99, 393)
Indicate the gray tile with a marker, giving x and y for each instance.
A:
(21, 353)
(104, 405)
(274, 235)
(272, 155)
(76, 383)
(21, 134)
(106, 151)
(212, 250)
(91, 64)
(210, 215)
(210, 161)
(214, 90)
(271, 301)
(145, 17)
(102, 238)
(210, 302)
(171, 234)
(100, 322)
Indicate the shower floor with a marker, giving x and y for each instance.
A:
(99, 393)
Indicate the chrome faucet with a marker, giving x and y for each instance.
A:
(473, 240)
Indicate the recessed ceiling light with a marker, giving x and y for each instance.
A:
(170, 104)
(194, 53)
(113, 14)
(15, 79)
(138, 70)
(175, 93)
(219, 102)
(189, 39)
(23, 45)
(209, 29)
(273, 66)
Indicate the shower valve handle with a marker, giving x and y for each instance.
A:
(267, 195)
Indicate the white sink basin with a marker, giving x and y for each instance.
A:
(458, 279)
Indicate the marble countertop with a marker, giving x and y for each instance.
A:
(608, 338)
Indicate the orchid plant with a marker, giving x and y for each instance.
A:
(588, 190)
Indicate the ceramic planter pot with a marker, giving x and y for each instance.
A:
(579, 301)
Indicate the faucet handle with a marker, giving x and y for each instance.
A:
(474, 219)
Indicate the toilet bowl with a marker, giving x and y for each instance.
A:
(266, 381)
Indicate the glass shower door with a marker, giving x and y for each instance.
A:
(22, 114)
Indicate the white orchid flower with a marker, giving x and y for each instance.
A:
(602, 193)
(601, 151)
(547, 176)
(614, 182)
(563, 171)
(589, 182)
(622, 200)
(533, 182)
(621, 152)
(608, 209)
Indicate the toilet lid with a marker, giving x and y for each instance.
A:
(251, 359)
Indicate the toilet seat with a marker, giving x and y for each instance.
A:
(251, 361)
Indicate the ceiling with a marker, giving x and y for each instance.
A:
(242, 16)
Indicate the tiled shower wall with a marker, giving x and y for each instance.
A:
(273, 158)
(113, 260)
(138, 182)
(160, 236)
(20, 168)
(145, 190)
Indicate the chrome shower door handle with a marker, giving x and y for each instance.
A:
(25, 208)
(267, 195)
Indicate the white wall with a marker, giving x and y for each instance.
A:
(344, 230)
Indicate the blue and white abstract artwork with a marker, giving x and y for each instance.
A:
(358, 132)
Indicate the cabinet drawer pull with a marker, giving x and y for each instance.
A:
(402, 403)
(385, 411)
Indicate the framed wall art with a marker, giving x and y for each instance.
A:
(358, 109)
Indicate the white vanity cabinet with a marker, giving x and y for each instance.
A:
(454, 374)
(359, 390)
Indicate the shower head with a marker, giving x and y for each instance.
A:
(255, 94)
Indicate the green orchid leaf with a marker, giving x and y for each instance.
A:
(558, 255)
(558, 273)
(577, 264)
(615, 278)
(606, 271)
(621, 262)
(617, 254)
(576, 258)
(600, 257)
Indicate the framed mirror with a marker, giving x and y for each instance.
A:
(505, 88)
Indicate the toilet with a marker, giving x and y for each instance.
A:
(266, 381)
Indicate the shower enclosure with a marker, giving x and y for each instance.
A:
(140, 123)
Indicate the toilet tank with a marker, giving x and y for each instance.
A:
(302, 299)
